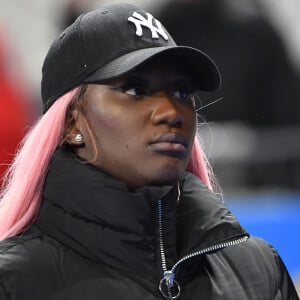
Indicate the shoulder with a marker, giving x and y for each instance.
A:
(19, 249)
(257, 261)
(262, 255)
(256, 256)
(259, 252)
(26, 264)
(26, 248)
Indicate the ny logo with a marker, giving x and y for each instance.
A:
(138, 20)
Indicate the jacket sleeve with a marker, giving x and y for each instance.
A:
(3, 293)
(287, 290)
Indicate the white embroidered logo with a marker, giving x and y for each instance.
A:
(138, 20)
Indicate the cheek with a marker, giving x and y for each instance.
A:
(111, 128)
(103, 119)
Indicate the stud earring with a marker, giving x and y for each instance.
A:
(78, 138)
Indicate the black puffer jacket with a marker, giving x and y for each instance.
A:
(96, 240)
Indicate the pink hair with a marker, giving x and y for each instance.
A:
(22, 186)
(199, 165)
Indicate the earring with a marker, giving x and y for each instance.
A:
(78, 138)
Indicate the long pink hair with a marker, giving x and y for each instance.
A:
(22, 186)
(21, 193)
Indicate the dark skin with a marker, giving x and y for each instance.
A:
(143, 125)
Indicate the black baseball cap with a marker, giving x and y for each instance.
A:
(110, 41)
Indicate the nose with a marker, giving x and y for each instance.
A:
(165, 111)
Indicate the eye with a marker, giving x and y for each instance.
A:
(135, 91)
(181, 94)
(184, 94)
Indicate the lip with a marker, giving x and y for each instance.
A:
(170, 142)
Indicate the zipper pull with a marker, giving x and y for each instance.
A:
(169, 278)
(169, 283)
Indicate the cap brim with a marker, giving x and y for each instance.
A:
(203, 69)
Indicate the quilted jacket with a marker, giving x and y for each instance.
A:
(95, 239)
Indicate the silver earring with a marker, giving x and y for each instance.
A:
(78, 138)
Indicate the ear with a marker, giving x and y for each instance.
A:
(72, 133)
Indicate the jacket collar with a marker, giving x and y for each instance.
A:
(95, 215)
(207, 221)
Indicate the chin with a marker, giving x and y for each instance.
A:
(167, 177)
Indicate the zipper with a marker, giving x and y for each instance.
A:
(168, 286)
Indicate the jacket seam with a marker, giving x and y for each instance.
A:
(8, 248)
(6, 292)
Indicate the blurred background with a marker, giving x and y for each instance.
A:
(250, 127)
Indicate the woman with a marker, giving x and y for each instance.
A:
(98, 204)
